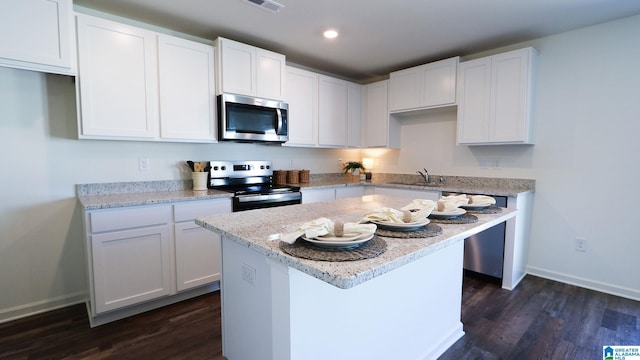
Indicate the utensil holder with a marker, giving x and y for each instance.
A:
(199, 180)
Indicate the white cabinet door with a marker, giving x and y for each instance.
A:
(37, 35)
(332, 112)
(474, 101)
(495, 99)
(197, 252)
(408, 193)
(422, 87)
(117, 80)
(439, 83)
(130, 266)
(238, 67)
(187, 89)
(302, 97)
(349, 191)
(318, 195)
(381, 130)
(404, 89)
(197, 256)
(251, 71)
(355, 123)
(511, 96)
(270, 75)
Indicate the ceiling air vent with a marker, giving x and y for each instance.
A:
(267, 5)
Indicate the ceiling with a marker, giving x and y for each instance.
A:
(376, 36)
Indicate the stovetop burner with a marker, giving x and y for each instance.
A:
(251, 184)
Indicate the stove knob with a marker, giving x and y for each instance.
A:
(223, 168)
(261, 167)
(215, 168)
(268, 167)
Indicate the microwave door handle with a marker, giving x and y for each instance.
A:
(279, 130)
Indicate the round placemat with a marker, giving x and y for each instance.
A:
(465, 218)
(307, 250)
(489, 210)
(429, 230)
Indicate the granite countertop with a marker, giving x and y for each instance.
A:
(112, 195)
(241, 227)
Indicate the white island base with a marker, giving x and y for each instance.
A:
(272, 311)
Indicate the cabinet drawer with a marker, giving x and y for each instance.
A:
(191, 210)
(109, 220)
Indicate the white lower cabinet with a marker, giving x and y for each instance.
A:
(318, 195)
(349, 192)
(408, 193)
(145, 257)
(130, 267)
(197, 249)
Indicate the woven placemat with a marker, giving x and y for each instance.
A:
(465, 218)
(429, 230)
(307, 250)
(489, 210)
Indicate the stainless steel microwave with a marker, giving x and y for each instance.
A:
(243, 118)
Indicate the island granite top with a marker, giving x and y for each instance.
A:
(260, 229)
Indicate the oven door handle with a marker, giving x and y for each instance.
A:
(263, 197)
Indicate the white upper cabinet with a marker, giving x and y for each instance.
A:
(251, 71)
(355, 138)
(381, 130)
(422, 87)
(323, 111)
(495, 99)
(118, 83)
(333, 112)
(302, 97)
(187, 86)
(37, 35)
(136, 84)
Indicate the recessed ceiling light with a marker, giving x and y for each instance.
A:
(330, 34)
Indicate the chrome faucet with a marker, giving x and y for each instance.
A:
(425, 175)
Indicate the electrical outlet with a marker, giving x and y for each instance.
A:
(249, 274)
(581, 245)
(340, 164)
(143, 164)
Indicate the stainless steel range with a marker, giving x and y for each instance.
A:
(251, 184)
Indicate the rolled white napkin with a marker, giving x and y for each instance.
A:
(421, 208)
(451, 202)
(481, 200)
(323, 226)
(402, 216)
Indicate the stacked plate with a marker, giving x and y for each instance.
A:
(348, 240)
(409, 226)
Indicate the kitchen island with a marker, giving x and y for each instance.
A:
(403, 304)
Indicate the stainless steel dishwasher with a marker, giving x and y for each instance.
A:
(484, 252)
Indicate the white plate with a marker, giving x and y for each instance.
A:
(476, 206)
(345, 237)
(362, 238)
(447, 214)
(404, 226)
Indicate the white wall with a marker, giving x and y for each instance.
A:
(41, 249)
(587, 128)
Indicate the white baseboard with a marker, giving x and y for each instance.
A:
(628, 293)
(41, 306)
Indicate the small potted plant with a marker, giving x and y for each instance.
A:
(354, 167)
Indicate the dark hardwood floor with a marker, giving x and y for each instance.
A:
(541, 319)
